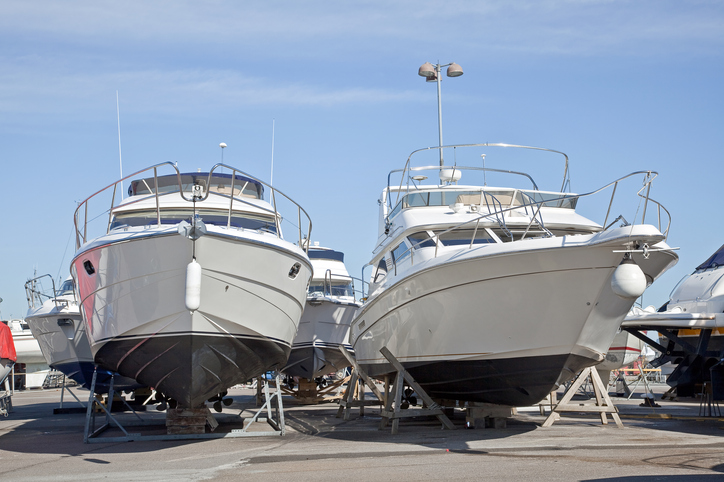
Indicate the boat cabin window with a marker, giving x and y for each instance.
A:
(459, 237)
(220, 218)
(338, 288)
(380, 271)
(550, 199)
(421, 240)
(66, 288)
(400, 252)
(220, 183)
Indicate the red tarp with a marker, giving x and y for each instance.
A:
(7, 347)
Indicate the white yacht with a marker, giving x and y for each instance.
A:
(55, 322)
(191, 287)
(324, 327)
(625, 349)
(499, 294)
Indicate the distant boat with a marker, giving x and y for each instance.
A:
(30, 363)
(324, 327)
(499, 294)
(54, 320)
(625, 349)
(191, 286)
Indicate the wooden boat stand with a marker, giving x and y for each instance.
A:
(389, 398)
(308, 393)
(603, 405)
(274, 417)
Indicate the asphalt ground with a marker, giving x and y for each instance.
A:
(669, 442)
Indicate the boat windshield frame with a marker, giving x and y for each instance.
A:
(406, 179)
(36, 295)
(81, 216)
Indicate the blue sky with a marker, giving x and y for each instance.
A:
(619, 86)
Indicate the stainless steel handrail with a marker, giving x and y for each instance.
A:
(81, 237)
(566, 178)
(328, 282)
(648, 180)
(33, 294)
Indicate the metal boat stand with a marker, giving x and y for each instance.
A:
(6, 400)
(272, 405)
(91, 433)
(62, 409)
(603, 405)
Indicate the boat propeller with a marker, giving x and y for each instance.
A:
(219, 400)
(164, 403)
(408, 398)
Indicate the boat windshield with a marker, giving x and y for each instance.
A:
(217, 218)
(66, 288)
(459, 237)
(339, 288)
(220, 183)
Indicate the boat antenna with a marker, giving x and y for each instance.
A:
(70, 235)
(271, 181)
(485, 178)
(120, 157)
(222, 146)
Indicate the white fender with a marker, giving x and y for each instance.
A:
(193, 286)
(628, 281)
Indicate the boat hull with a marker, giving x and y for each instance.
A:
(138, 324)
(499, 326)
(62, 338)
(323, 329)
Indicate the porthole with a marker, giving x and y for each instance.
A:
(89, 267)
(294, 271)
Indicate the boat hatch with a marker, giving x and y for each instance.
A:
(148, 217)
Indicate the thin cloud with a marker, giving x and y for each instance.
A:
(560, 27)
(157, 91)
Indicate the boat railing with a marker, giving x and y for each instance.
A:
(406, 176)
(536, 218)
(408, 188)
(276, 199)
(36, 295)
(358, 293)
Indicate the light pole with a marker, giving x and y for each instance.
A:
(432, 73)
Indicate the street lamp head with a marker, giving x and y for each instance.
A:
(426, 70)
(454, 70)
